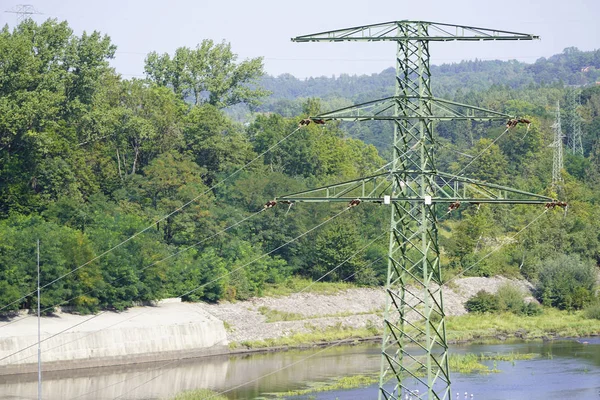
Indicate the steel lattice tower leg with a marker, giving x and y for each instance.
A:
(557, 159)
(414, 340)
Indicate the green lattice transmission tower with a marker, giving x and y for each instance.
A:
(414, 349)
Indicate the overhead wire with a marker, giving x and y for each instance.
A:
(363, 248)
(146, 267)
(177, 210)
(211, 281)
(52, 336)
(74, 340)
(220, 277)
(264, 255)
(277, 370)
(495, 249)
(268, 253)
(337, 343)
(445, 283)
(482, 151)
(302, 290)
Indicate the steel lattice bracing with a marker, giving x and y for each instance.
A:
(574, 138)
(23, 11)
(403, 31)
(557, 160)
(414, 340)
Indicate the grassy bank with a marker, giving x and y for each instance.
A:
(551, 323)
(273, 315)
(313, 336)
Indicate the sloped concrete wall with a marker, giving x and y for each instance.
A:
(140, 334)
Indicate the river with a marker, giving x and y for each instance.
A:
(566, 369)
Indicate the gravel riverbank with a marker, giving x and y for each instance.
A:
(277, 317)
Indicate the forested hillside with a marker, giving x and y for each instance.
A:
(570, 68)
(144, 189)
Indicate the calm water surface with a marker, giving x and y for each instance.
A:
(562, 370)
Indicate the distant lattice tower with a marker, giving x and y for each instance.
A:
(557, 161)
(23, 11)
(574, 137)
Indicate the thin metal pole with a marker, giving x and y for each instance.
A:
(39, 325)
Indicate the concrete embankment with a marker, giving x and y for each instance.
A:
(174, 330)
(140, 334)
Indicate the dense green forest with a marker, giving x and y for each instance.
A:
(136, 188)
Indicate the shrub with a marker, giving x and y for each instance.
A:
(592, 311)
(482, 302)
(510, 298)
(531, 309)
(566, 282)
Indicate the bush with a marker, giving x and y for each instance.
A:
(482, 302)
(566, 282)
(531, 309)
(510, 298)
(592, 311)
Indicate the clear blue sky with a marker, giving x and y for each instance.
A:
(264, 28)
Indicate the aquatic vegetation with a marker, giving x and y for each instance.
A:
(346, 382)
(471, 363)
(199, 394)
(466, 364)
(462, 363)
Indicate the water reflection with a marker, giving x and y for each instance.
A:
(164, 380)
(566, 368)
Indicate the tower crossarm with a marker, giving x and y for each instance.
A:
(412, 108)
(406, 31)
(447, 188)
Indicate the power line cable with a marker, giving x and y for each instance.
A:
(50, 337)
(157, 221)
(266, 254)
(277, 370)
(74, 340)
(345, 261)
(302, 290)
(337, 343)
(209, 282)
(482, 151)
(146, 267)
(495, 249)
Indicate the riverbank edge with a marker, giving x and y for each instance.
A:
(31, 369)
(486, 339)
